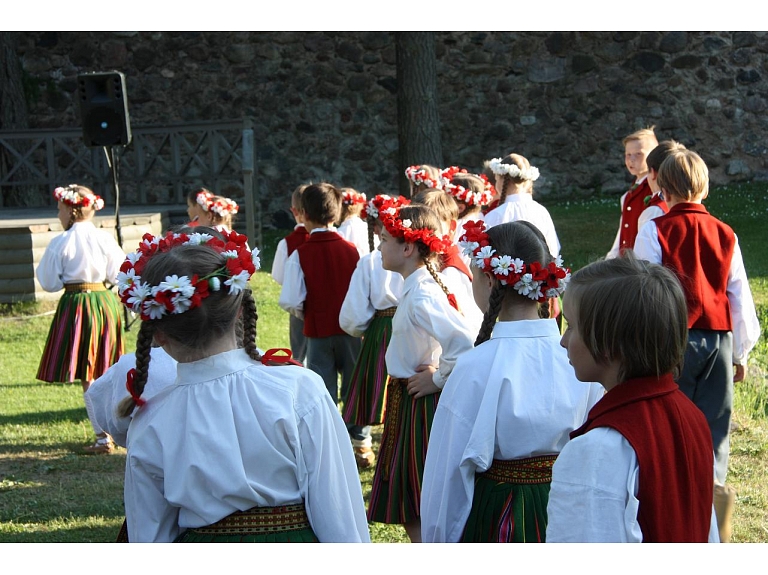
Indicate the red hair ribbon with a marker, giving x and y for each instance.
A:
(136, 397)
(453, 302)
(271, 357)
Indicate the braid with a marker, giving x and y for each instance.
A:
(429, 264)
(492, 313)
(371, 222)
(503, 192)
(249, 325)
(143, 348)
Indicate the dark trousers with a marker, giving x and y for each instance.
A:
(707, 379)
(297, 339)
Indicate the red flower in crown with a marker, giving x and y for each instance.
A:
(382, 202)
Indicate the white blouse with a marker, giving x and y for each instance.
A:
(512, 397)
(524, 207)
(371, 288)
(355, 231)
(82, 254)
(232, 434)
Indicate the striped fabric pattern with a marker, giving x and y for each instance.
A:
(365, 401)
(396, 491)
(85, 338)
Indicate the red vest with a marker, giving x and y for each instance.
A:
(698, 248)
(657, 200)
(673, 445)
(328, 261)
(297, 237)
(634, 204)
(452, 259)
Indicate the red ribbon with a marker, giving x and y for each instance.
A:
(453, 302)
(271, 357)
(129, 386)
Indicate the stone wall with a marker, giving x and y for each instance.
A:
(324, 104)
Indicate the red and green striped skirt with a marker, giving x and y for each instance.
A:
(86, 335)
(396, 491)
(364, 404)
(510, 502)
(283, 524)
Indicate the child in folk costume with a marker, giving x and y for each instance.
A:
(637, 146)
(428, 335)
(509, 404)
(221, 212)
(351, 226)
(86, 336)
(655, 205)
(423, 177)
(471, 192)
(367, 311)
(640, 469)
(285, 248)
(704, 254)
(198, 205)
(514, 181)
(237, 449)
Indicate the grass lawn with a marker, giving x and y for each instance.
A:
(50, 491)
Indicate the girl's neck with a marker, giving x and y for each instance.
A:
(518, 311)
(183, 354)
(410, 266)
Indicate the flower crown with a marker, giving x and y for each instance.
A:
(179, 294)
(461, 193)
(223, 207)
(352, 198)
(530, 280)
(373, 208)
(418, 176)
(204, 198)
(403, 228)
(500, 169)
(68, 195)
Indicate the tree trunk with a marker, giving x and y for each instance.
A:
(418, 121)
(13, 110)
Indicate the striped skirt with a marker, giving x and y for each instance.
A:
(284, 524)
(364, 404)
(510, 502)
(86, 335)
(396, 491)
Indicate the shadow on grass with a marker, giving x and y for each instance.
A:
(74, 415)
(101, 534)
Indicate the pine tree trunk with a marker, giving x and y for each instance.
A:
(13, 110)
(418, 121)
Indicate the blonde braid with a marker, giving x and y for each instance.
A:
(143, 348)
(429, 264)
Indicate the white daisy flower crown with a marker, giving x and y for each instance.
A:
(501, 169)
(68, 195)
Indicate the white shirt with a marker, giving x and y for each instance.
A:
(371, 288)
(281, 255)
(593, 497)
(232, 434)
(426, 330)
(745, 325)
(512, 397)
(615, 248)
(524, 207)
(82, 254)
(459, 284)
(355, 231)
(106, 393)
(460, 231)
(648, 214)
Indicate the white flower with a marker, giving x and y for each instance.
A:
(526, 285)
(518, 265)
(237, 283)
(484, 253)
(138, 293)
(154, 309)
(255, 257)
(197, 239)
(390, 211)
(407, 223)
(125, 280)
(230, 254)
(501, 264)
(133, 257)
(181, 303)
(559, 261)
(175, 284)
(468, 248)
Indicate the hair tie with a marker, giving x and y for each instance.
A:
(453, 302)
(129, 382)
(271, 357)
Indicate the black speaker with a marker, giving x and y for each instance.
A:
(104, 109)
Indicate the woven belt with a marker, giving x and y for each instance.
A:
(260, 520)
(528, 471)
(84, 287)
(389, 312)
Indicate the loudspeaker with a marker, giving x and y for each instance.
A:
(104, 109)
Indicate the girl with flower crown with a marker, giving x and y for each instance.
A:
(367, 311)
(221, 212)
(471, 192)
(351, 226)
(514, 182)
(509, 403)
(236, 449)
(428, 335)
(423, 177)
(86, 335)
(198, 204)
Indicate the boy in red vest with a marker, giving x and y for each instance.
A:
(317, 276)
(640, 468)
(285, 248)
(637, 146)
(655, 205)
(704, 254)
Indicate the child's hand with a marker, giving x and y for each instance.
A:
(421, 384)
(739, 373)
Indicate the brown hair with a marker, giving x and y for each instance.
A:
(192, 196)
(519, 239)
(431, 171)
(349, 210)
(472, 183)
(631, 311)
(196, 327)
(684, 174)
(296, 196)
(661, 152)
(443, 204)
(78, 213)
(644, 134)
(321, 203)
(510, 184)
(219, 220)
